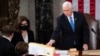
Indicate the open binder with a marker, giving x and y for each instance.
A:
(40, 49)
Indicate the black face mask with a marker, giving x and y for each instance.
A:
(24, 27)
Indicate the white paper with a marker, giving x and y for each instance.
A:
(62, 52)
(40, 49)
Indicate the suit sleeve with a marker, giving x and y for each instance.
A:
(56, 30)
(85, 31)
(11, 51)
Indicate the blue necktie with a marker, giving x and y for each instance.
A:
(72, 23)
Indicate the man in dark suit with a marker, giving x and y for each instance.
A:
(6, 48)
(75, 31)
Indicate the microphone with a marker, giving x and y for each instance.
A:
(93, 30)
(95, 33)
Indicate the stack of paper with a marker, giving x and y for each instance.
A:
(62, 53)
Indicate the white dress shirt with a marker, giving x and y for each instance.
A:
(26, 38)
(72, 17)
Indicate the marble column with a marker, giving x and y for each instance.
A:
(27, 8)
(43, 20)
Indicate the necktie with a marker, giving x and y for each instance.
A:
(72, 23)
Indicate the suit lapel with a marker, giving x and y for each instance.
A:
(67, 23)
(75, 20)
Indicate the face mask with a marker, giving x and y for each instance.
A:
(24, 27)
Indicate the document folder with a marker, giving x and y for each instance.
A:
(40, 49)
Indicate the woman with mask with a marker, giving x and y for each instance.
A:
(23, 32)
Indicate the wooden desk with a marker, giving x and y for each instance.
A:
(80, 53)
(91, 52)
(85, 53)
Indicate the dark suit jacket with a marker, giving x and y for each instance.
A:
(18, 37)
(6, 48)
(80, 35)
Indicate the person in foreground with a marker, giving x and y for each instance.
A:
(74, 28)
(21, 49)
(6, 48)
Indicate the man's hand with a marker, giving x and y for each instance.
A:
(85, 47)
(50, 43)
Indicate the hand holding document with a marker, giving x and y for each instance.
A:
(40, 49)
(51, 42)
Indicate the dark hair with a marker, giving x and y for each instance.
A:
(21, 48)
(20, 19)
(7, 30)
